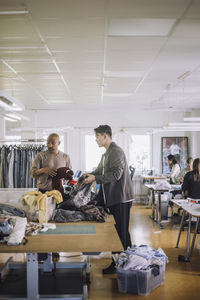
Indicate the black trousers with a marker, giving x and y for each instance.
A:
(121, 214)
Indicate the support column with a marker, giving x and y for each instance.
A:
(2, 128)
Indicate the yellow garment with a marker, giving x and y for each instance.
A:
(33, 198)
(56, 194)
(41, 201)
(29, 200)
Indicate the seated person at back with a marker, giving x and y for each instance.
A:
(185, 170)
(174, 168)
(191, 182)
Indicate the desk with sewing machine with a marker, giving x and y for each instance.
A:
(102, 237)
(193, 210)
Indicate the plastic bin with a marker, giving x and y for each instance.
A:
(140, 282)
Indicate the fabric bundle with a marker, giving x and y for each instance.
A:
(62, 173)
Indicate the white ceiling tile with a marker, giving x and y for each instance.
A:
(69, 27)
(147, 8)
(187, 29)
(62, 8)
(135, 71)
(194, 10)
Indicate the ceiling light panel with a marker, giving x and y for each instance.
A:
(135, 44)
(140, 27)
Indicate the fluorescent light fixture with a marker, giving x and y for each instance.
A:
(14, 12)
(140, 27)
(165, 128)
(10, 103)
(117, 94)
(10, 119)
(183, 124)
(4, 104)
(184, 75)
(13, 116)
(17, 116)
(191, 119)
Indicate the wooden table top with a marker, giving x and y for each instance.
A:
(105, 239)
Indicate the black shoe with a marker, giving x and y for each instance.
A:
(110, 270)
(55, 256)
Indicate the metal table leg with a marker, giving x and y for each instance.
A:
(194, 238)
(153, 205)
(187, 257)
(180, 229)
(159, 211)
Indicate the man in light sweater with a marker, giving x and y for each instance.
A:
(47, 162)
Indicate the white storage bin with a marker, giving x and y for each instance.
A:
(13, 197)
(140, 282)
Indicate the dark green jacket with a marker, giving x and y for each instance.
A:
(116, 179)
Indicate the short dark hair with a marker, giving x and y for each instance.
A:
(53, 135)
(172, 158)
(104, 129)
(189, 160)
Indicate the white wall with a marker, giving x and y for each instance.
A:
(84, 121)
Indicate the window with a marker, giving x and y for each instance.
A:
(92, 153)
(139, 152)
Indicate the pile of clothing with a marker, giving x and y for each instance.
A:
(140, 269)
(80, 204)
(141, 257)
(12, 229)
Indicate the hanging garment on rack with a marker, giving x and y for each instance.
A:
(15, 165)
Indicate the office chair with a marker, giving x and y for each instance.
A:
(132, 171)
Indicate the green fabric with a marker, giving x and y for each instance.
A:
(70, 229)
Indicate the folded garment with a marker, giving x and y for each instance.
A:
(6, 209)
(62, 216)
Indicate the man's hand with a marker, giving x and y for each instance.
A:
(50, 172)
(90, 178)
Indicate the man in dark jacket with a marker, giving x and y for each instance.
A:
(116, 186)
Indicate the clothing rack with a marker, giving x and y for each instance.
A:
(23, 140)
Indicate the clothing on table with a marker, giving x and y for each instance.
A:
(191, 186)
(175, 170)
(116, 189)
(62, 173)
(80, 195)
(47, 159)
